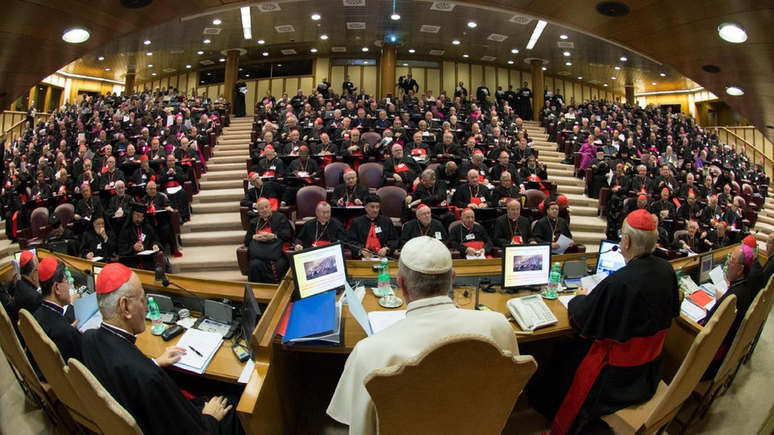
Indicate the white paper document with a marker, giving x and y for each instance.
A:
(246, 372)
(565, 300)
(564, 243)
(381, 320)
(692, 310)
(174, 190)
(590, 281)
(356, 307)
(147, 252)
(718, 279)
(200, 347)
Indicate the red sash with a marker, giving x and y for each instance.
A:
(273, 204)
(266, 229)
(372, 241)
(516, 240)
(418, 152)
(400, 170)
(635, 352)
(321, 243)
(475, 200)
(475, 244)
(172, 184)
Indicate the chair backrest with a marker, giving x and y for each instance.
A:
(679, 233)
(50, 363)
(371, 137)
(109, 415)
(307, 199)
(370, 174)
(39, 223)
(443, 371)
(742, 202)
(699, 357)
(533, 198)
(15, 355)
(454, 224)
(333, 173)
(65, 212)
(393, 198)
(748, 330)
(747, 189)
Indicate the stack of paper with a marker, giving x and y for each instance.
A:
(200, 347)
(87, 312)
(692, 311)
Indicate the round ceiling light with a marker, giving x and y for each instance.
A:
(107, 69)
(149, 54)
(314, 50)
(153, 74)
(654, 83)
(544, 68)
(395, 17)
(222, 59)
(466, 56)
(569, 64)
(663, 74)
(206, 41)
(199, 52)
(147, 42)
(188, 66)
(612, 78)
(261, 41)
(563, 36)
(617, 68)
(515, 50)
(101, 58)
(216, 22)
(411, 50)
(735, 91)
(613, 9)
(150, 65)
(265, 53)
(76, 35)
(472, 24)
(456, 42)
(624, 58)
(580, 77)
(365, 48)
(566, 53)
(605, 85)
(733, 33)
(316, 17)
(510, 62)
(323, 37)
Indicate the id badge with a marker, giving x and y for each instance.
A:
(377, 230)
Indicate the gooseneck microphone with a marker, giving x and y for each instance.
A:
(161, 276)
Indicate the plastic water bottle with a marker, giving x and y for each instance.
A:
(553, 282)
(383, 280)
(155, 315)
(69, 277)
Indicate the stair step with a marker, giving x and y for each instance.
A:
(216, 207)
(244, 152)
(227, 159)
(225, 147)
(213, 238)
(585, 223)
(575, 200)
(232, 183)
(235, 174)
(215, 167)
(206, 258)
(219, 196)
(225, 221)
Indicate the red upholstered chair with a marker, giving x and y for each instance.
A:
(370, 175)
(393, 200)
(38, 230)
(433, 166)
(333, 173)
(306, 202)
(371, 137)
(735, 188)
(533, 198)
(243, 259)
(65, 212)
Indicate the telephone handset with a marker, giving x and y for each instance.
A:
(531, 313)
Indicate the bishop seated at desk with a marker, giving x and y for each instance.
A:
(137, 382)
(618, 361)
(424, 276)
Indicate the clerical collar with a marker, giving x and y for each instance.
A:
(121, 333)
(53, 307)
(429, 305)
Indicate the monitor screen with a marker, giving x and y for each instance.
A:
(526, 265)
(17, 254)
(251, 312)
(705, 267)
(95, 270)
(610, 257)
(320, 269)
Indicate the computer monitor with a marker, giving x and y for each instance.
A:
(17, 254)
(318, 270)
(705, 267)
(251, 312)
(95, 270)
(609, 258)
(526, 265)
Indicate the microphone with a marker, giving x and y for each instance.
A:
(358, 249)
(161, 276)
(613, 249)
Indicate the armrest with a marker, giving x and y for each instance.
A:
(174, 222)
(243, 259)
(188, 187)
(244, 218)
(288, 211)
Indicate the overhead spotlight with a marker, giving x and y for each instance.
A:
(323, 37)
(393, 38)
(221, 59)
(395, 16)
(654, 83)
(510, 62)
(101, 58)
(153, 74)
(733, 33)
(315, 17)
(514, 50)
(624, 59)
(199, 52)
(107, 69)
(247, 75)
(188, 66)
(314, 50)
(147, 42)
(206, 41)
(261, 42)
(569, 64)
(456, 42)
(265, 53)
(365, 48)
(472, 24)
(617, 68)
(605, 85)
(150, 65)
(466, 56)
(544, 68)
(405, 64)
(149, 54)
(580, 77)
(663, 74)
(563, 36)
(411, 50)
(216, 22)
(76, 35)
(567, 53)
(612, 78)
(735, 91)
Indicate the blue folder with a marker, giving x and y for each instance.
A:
(315, 315)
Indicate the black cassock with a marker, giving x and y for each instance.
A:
(383, 227)
(314, 233)
(462, 238)
(94, 243)
(239, 99)
(267, 259)
(144, 389)
(131, 234)
(546, 231)
(507, 232)
(414, 228)
(625, 308)
(57, 326)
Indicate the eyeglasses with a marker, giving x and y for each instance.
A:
(143, 297)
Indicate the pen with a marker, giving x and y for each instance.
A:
(195, 351)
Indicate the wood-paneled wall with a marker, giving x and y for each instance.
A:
(443, 78)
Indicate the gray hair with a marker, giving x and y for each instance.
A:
(428, 174)
(108, 302)
(423, 284)
(642, 242)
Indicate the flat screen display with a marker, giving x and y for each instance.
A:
(705, 266)
(251, 312)
(318, 270)
(610, 257)
(526, 265)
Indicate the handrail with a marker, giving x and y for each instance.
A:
(757, 154)
(18, 127)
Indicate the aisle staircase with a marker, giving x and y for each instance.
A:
(211, 237)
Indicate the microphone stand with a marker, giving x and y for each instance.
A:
(358, 249)
(161, 277)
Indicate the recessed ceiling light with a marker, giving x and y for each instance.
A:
(514, 50)
(315, 17)
(221, 59)
(613, 78)
(365, 48)
(456, 42)
(240, 69)
(605, 85)
(147, 42)
(153, 74)
(76, 35)
(733, 33)
(472, 24)
(365, 62)
(654, 83)
(314, 50)
(563, 36)
(149, 54)
(735, 91)
(544, 68)
(247, 22)
(279, 64)
(405, 64)
(624, 59)
(323, 37)
(569, 64)
(150, 65)
(411, 50)
(617, 68)
(580, 77)
(107, 69)
(466, 56)
(265, 53)
(206, 41)
(567, 53)
(247, 75)
(663, 74)
(101, 58)
(199, 52)
(536, 34)
(261, 41)
(510, 62)
(188, 66)
(216, 22)
(395, 17)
